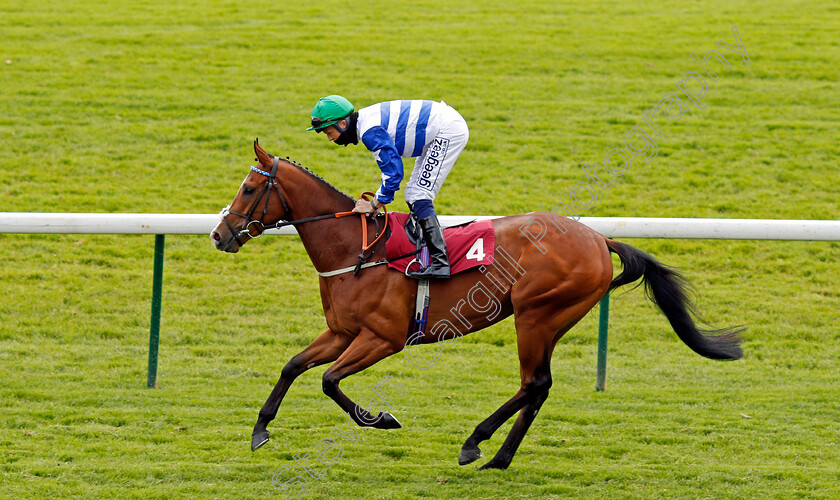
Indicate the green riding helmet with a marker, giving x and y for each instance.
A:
(329, 111)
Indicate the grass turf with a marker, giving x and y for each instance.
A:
(113, 107)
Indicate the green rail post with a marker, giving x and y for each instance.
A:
(154, 333)
(603, 326)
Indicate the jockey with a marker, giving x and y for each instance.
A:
(431, 131)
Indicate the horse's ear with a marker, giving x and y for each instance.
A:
(262, 156)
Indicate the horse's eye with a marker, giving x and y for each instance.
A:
(248, 190)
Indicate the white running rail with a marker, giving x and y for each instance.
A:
(616, 227)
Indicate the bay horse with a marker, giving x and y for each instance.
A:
(548, 284)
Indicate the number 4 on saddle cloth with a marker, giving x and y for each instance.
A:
(468, 245)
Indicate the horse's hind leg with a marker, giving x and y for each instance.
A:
(532, 390)
(325, 348)
(537, 330)
(517, 433)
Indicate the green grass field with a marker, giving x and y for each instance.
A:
(113, 107)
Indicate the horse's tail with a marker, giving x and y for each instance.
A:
(669, 290)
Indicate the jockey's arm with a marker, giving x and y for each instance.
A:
(389, 161)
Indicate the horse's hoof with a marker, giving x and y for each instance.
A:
(258, 439)
(494, 464)
(387, 421)
(469, 455)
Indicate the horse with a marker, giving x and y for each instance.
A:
(548, 284)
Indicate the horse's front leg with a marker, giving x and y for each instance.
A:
(365, 350)
(327, 347)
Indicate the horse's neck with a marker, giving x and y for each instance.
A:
(327, 241)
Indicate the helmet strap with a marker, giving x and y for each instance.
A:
(338, 127)
(348, 134)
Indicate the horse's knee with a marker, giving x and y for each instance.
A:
(329, 383)
(538, 385)
(293, 368)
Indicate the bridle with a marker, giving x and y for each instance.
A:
(255, 228)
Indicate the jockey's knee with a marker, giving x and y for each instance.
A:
(423, 208)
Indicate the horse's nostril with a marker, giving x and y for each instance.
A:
(217, 236)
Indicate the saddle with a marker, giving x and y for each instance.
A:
(469, 245)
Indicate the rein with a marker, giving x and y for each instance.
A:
(255, 228)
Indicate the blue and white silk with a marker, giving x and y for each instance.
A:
(431, 131)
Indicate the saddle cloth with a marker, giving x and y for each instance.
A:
(468, 246)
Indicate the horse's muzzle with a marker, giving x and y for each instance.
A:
(230, 245)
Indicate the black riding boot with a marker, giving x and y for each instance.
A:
(438, 259)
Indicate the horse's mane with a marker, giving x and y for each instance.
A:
(317, 177)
